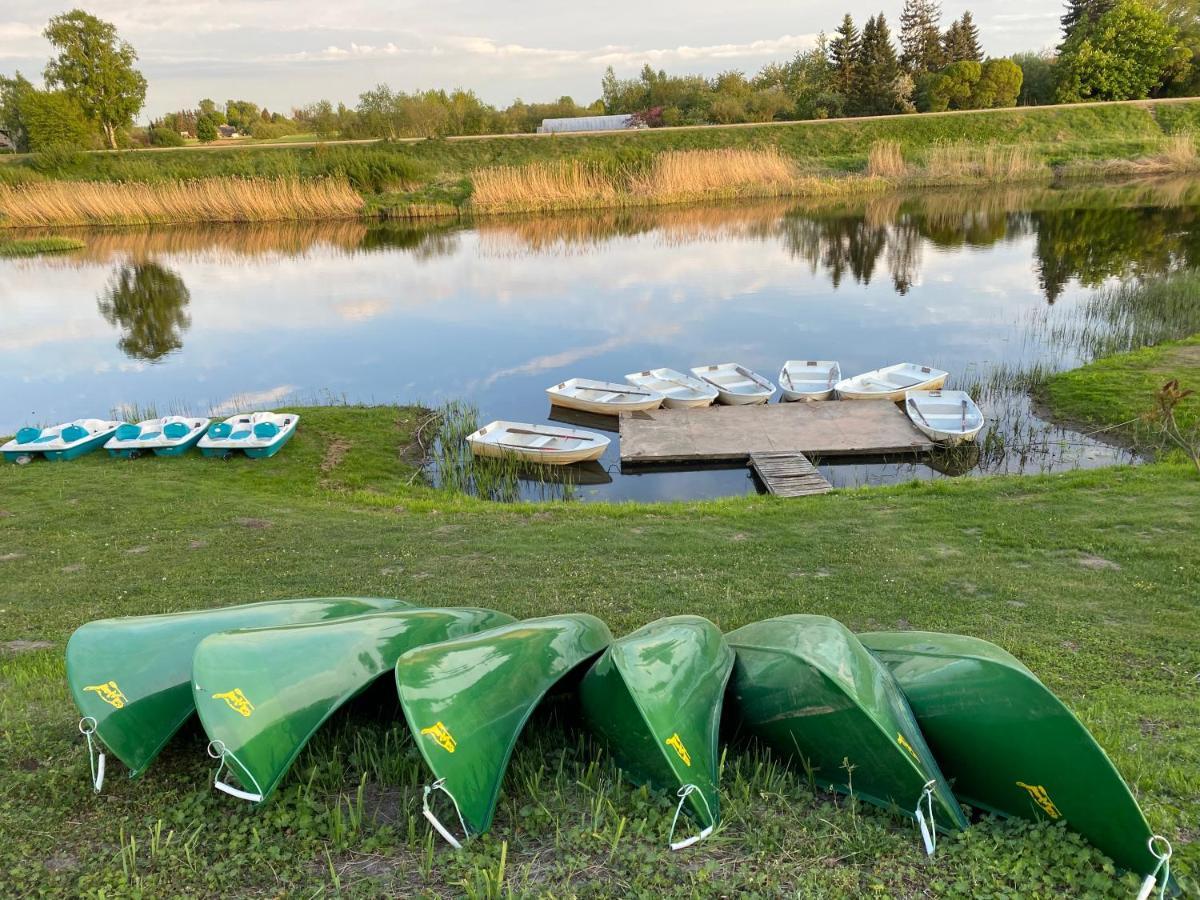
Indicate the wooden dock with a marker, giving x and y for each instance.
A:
(732, 433)
(788, 474)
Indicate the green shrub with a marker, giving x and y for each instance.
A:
(163, 136)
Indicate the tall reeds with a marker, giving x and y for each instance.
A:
(675, 176)
(991, 162)
(886, 160)
(208, 200)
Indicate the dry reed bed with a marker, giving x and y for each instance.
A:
(678, 176)
(1177, 155)
(209, 200)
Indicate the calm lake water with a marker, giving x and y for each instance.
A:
(228, 318)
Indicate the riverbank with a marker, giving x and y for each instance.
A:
(1088, 577)
(822, 158)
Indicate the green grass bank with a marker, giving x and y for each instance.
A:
(38, 246)
(1088, 577)
(436, 176)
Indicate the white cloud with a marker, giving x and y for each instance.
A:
(252, 401)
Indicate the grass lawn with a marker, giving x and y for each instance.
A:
(1122, 387)
(1088, 577)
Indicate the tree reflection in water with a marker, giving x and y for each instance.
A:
(148, 302)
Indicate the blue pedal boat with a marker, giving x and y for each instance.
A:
(258, 435)
(166, 436)
(60, 442)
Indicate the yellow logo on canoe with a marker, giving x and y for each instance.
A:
(907, 746)
(441, 736)
(236, 701)
(675, 742)
(109, 693)
(1041, 798)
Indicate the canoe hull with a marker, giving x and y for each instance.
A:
(809, 690)
(466, 701)
(1009, 745)
(133, 675)
(293, 678)
(654, 698)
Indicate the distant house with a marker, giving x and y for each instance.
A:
(227, 131)
(589, 123)
(7, 144)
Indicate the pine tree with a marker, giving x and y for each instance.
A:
(876, 71)
(920, 37)
(1081, 10)
(970, 37)
(960, 43)
(843, 55)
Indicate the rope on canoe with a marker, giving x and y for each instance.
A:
(97, 766)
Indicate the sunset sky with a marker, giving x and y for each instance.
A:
(282, 53)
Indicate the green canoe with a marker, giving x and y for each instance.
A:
(262, 693)
(807, 688)
(131, 678)
(467, 701)
(1010, 746)
(654, 697)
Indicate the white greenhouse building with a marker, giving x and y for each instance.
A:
(586, 123)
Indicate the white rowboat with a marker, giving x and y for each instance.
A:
(809, 379)
(537, 443)
(736, 385)
(679, 391)
(948, 417)
(890, 382)
(603, 397)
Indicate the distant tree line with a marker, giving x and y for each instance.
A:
(1110, 50)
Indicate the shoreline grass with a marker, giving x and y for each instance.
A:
(43, 203)
(436, 178)
(38, 246)
(1088, 577)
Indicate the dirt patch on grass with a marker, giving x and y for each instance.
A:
(74, 567)
(5, 514)
(334, 454)
(141, 548)
(25, 646)
(247, 522)
(1098, 563)
(197, 545)
(10, 557)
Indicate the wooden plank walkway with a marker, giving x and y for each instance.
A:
(731, 433)
(788, 474)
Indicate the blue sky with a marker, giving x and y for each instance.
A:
(283, 53)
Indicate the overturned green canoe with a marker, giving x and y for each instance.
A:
(807, 688)
(1010, 746)
(131, 678)
(654, 697)
(262, 693)
(467, 701)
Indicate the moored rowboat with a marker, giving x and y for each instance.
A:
(948, 417)
(604, 397)
(809, 379)
(890, 382)
(679, 391)
(736, 385)
(537, 443)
